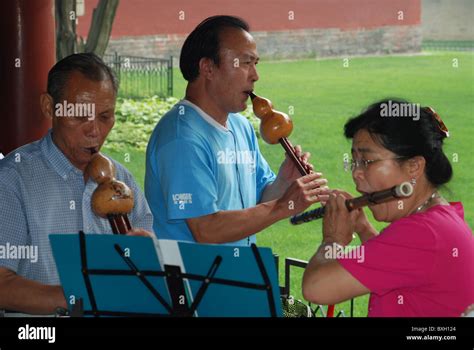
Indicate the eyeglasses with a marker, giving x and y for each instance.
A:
(442, 127)
(363, 163)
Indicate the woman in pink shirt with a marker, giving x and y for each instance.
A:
(422, 263)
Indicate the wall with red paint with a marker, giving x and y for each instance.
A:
(155, 17)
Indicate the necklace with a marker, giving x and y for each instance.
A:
(425, 204)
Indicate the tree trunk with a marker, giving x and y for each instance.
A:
(101, 27)
(67, 42)
(66, 28)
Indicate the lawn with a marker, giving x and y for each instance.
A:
(323, 95)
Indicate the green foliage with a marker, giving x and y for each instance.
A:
(248, 113)
(135, 120)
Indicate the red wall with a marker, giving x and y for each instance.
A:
(152, 17)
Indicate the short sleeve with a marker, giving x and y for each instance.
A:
(401, 256)
(13, 226)
(265, 175)
(188, 181)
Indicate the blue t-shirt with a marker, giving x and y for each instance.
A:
(196, 167)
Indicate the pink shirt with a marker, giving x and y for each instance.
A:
(419, 266)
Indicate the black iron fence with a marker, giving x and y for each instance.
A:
(297, 308)
(142, 76)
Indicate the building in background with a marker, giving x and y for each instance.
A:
(451, 20)
(283, 29)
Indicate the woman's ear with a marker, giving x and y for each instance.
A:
(415, 167)
(46, 104)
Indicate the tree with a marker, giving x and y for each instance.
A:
(67, 41)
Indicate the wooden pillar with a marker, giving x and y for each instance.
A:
(27, 39)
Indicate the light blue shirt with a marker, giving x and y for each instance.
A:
(42, 193)
(196, 167)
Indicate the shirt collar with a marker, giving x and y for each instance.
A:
(206, 116)
(56, 157)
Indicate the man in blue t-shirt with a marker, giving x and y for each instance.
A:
(206, 180)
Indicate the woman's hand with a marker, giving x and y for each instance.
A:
(338, 222)
(361, 223)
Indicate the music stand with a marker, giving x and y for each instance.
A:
(114, 275)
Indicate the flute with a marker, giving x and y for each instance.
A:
(403, 190)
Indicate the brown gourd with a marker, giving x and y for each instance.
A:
(275, 127)
(112, 199)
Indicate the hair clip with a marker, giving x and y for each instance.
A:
(442, 127)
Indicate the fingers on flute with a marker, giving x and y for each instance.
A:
(341, 201)
(311, 181)
(336, 202)
(310, 177)
(298, 151)
(316, 183)
(320, 194)
(331, 202)
(305, 157)
(343, 193)
(324, 191)
(305, 161)
(323, 199)
(324, 194)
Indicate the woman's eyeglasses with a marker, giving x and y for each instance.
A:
(363, 163)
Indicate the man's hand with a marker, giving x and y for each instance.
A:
(287, 174)
(288, 171)
(140, 232)
(303, 192)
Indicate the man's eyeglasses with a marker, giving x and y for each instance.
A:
(363, 163)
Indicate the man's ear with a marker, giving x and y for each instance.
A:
(46, 104)
(416, 167)
(206, 67)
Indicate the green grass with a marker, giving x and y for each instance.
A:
(324, 95)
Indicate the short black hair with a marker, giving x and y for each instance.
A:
(88, 64)
(204, 42)
(405, 136)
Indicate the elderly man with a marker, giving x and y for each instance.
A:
(44, 188)
(206, 180)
